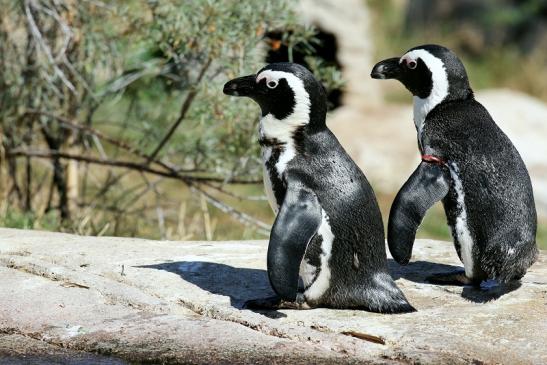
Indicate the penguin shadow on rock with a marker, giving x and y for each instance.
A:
(238, 283)
(422, 272)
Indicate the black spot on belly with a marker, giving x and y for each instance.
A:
(278, 186)
(314, 250)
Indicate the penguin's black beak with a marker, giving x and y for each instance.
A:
(241, 86)
(387, 69)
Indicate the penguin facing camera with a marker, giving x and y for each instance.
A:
(469, 164)
(328, 230)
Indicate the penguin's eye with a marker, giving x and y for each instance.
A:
(412, 64)
(272, 84)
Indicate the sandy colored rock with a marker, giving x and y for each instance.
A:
(121, 299)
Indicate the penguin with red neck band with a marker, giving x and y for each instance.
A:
(470, 165)
(328, 231)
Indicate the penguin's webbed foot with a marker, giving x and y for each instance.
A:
(451, 278)
(275, 302)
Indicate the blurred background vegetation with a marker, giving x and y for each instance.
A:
(494, 38)
(113, 120)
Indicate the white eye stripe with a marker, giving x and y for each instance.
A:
(284, 129)
(410, 62)
(404, 59)
(264, 76)
(272, 84)
(439, 89)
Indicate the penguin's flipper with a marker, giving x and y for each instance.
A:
(427, 185)
(297, 222)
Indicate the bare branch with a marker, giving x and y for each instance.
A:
(121, 144)
(184, 109)
(246, 219)
(191, 181)
(64, 27)
(37, 35)
(188, 179)
(221, 190)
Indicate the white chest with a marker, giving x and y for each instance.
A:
(266, 155)
(279, 132)
(421, 108)
(276, 165)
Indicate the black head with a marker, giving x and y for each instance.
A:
(284, 90)
(427, 71)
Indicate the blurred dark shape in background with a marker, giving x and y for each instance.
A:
(324, 47)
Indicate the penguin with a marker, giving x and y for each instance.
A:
(328, 232)
(469, 164)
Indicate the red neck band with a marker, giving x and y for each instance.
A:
(433, 159)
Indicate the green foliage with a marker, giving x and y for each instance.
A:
(489, 63)
(21, 220)
(175, 43)
(434, 225)
(512, 15)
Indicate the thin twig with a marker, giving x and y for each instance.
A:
(121, 144)
(221, 190)
(184, 109)
(206, 218)
(365, 336)
(45, 48)
(246, 219)
(126, 164)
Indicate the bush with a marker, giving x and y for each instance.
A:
(113, 118)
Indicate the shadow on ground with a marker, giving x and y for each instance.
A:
(418, 271)
(237, 283)
(243, 284)
(487, 294)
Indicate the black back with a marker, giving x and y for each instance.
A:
(349, 201)
(498, 192)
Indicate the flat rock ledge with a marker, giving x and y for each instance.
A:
(73, 300)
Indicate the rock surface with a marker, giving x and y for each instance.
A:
(114, 300)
